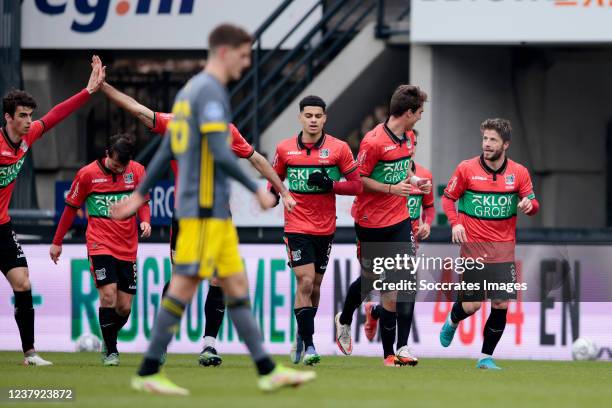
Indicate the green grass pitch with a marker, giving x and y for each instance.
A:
(342, 381)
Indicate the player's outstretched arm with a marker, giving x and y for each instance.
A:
(145, 115)
(229, 164)
(64, 109)
(144, 215)
(62, 228)
(267, 171)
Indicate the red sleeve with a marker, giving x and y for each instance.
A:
(79, 190)
(536, 207)
(352, 185)
(58, 113)
(526, 187)
(367, 158)
(429, 213)
(144, 213)
(64, 224)
(240, 146)
(456, 185)
(448, 205)
(346, 162)
(160, 122)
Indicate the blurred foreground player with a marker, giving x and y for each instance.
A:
(489, 189)
(313, 163)
(112, 245)
(207, 242)
(214, 306)
(20, 132)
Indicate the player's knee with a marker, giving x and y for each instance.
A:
(471, 307)
(499, 304)
(123, 310)
(305, 284)
(108, 298)
(22, 285)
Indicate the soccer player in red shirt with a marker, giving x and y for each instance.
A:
(489, 188)
(20, 132)
(111, 244)
(312, 162)
(381, 215)
(422, 212)
(214, 307)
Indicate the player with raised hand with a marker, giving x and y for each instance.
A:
(111, 245)
(207, 242)
(422, 212)
(312, 162)
(20, 132)
(381, 215)
(490, 190)
(214, 306)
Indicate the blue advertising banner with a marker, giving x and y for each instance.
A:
(162, 203)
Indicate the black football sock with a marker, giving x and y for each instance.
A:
(107, 326)
(24, 316)
(405, 312)
(305, 323)
(120, 321)
(354, 297)
(457, 313)
(387, 331)
(214, 310)
(375, 313)
(494, 329)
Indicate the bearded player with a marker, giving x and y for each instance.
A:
(490, 190)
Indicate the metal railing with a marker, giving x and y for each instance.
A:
(278, 75)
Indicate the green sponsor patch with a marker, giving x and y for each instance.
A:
(98, 204)
(391, 172)
(414, 206)
(9, 173)
(491, 206)
(297, 177)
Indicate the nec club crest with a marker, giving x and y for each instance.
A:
(324, 153)
(510, 179)
(128, 178)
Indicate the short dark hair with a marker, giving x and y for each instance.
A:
(228, 35)
(405, 98)
(16, 98)
(312, 100)
(501, 126)
(121, 146)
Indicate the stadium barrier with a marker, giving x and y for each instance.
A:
(66, 305)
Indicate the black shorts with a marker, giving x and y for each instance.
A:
(373, 243)
(106, 269)
(399, 233)
(493, 275)
(303, 249)
(174, 230)
(11, 254)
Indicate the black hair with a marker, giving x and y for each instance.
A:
(16, 98)
(312, 100)
(121, 148)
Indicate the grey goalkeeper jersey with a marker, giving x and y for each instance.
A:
(198, 138)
